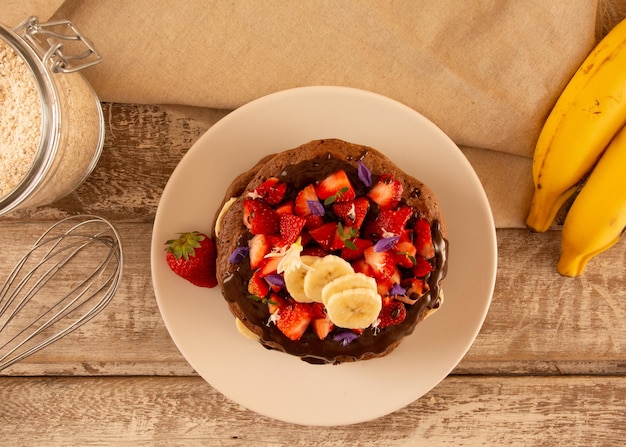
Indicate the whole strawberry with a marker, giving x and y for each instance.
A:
(192, 257)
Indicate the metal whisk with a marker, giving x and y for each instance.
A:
(69, 275)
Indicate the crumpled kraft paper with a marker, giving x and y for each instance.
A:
(486, 72)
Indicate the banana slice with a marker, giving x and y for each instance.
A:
(354, 308)
(349, 281)
(429, 312)
(324, 271)
(243, 330)
(294, 279)
(218, 221)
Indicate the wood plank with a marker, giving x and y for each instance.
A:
(559, 325)
(129, 332)
(143, 144)
(461, 411)
(538, 323)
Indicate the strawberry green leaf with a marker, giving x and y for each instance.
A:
(332, 199)
(262, 300)
(351, 245)
(346, 236)
(184, 246)
(408, 255)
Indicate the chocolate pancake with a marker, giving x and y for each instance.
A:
(309, 164)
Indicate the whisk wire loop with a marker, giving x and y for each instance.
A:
(85, 261)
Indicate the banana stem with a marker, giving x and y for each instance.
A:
(544, 208)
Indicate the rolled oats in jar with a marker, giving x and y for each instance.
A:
(51, 123)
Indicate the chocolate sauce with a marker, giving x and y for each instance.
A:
(306, 172)
(310, 348)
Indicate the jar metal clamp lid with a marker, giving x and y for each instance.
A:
(51, 43)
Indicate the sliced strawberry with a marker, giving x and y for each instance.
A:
(343, 237)
(385, 285)
(259, 247)
(386, 192)
(405, 253)
(306, 238)
(314, 250)
(352, 213)
(277, 243)
(383, 263)
(270, 191)
(285, 208)
(313, 221)
(257, 286)
(259, 217)
(269, 265)
(351, 254)
(406, 235)
(290, 227)
(318, 310)
(294, 319)
(307, 203)
(322, 327)
(335, 188)
(392, 312)
(423, 239)
(422, 267)
(360, 266)
(275, 303)
(388, 223)
(325, 235)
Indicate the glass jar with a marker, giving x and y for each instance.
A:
(51, 121)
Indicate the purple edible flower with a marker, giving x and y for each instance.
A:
(275, 280)
(364, 174)
(238, 255)
(316, 208)
(386, 243)
(345, 337)
(397, 289)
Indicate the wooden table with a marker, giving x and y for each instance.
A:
(548, 367)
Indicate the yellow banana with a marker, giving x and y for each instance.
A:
(597, 217)
(587, 115)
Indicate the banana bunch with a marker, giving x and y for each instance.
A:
(571, 150)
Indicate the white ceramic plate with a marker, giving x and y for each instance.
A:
(200, 322)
